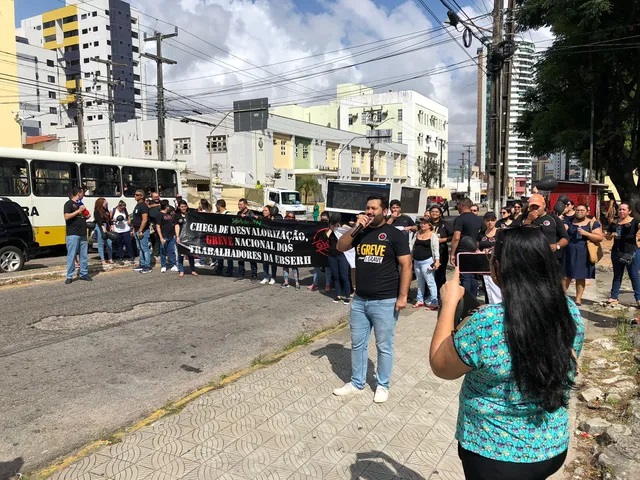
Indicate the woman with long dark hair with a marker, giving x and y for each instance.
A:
(624, 252)
(270, 269)
(519, 361)
(102, 218)
(338, 263)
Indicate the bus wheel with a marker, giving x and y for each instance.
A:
(11, 259)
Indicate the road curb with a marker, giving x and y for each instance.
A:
(52, 273)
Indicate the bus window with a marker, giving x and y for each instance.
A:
(53, 179)
(135, 178)
(167, 184)
(101, 180)
(14, 177)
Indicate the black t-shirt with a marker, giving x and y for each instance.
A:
(553, 229)
(154, 210)
(165, 222)
(626, 240)
(77, 225)
(468, 224)
(402, 221)
(377, 273)
(333, 246)
(136, 218)
(443, 230)
(485, 242)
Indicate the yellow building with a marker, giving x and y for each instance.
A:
(9, 127)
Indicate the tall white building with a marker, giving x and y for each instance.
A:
(413, 119)
(75, 34)
(522, 78)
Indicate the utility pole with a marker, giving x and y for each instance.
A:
(468, 168)
(110, 86)
(510, 26)
(80, 116)
(441, 162)
(159, 59)
(462, 169)
(494, 116)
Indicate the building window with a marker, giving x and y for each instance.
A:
(95, 147)
(400, 136)
(399, 114)
(305, 151)
(51, 79)
(50, 38)
(217, 143)
(83, 16)
(49, 24)
(182, 146)
(86, 60)
(108, 27)
(87, 89)
(95, 44)
(95, 29)
(50, 63)
(283, 148)
(76, 147)
(134, 35)
(85, 45)
(351, 119)
(98, 87)
(87, 74)
(94, 14)
(70, 33)
(72, 18)
(99, 117)
(147, 148)
(52, 95)
(108, 42)
(85, 31)
(53, 110)
(89, 104)
(90, 117)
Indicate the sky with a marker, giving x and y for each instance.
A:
(297, 51)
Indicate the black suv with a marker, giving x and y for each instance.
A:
(17, 243)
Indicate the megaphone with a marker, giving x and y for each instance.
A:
(564, 199)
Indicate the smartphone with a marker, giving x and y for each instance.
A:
(474, 262)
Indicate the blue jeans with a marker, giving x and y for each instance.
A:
(192, 263)
(124, 241)
(270, 270)
(101, 243)
(618, 272)
(168, 250)
(294, 274)
(77, 245)
(426, 276)
(327, 276)
(144, 250)
(470, 283)
(340, 272)
(381, 315)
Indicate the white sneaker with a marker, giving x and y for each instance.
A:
(382, 395)
(272, 281)
(346, 390)
(174, 268)
(163, 269)
(264, 281)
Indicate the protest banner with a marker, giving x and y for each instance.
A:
(283, 242)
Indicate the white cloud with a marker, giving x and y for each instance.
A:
(267, 32)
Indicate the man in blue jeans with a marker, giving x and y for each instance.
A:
(140, 226)
(76, 238)
(383, 276)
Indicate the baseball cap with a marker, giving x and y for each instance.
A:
(537, 199)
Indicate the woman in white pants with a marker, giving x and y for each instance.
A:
(486, 242)
(426, 260)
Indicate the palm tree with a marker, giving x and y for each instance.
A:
(308, 185)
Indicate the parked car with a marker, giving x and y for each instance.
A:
(17, 239)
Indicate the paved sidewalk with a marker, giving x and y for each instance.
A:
(282, 422)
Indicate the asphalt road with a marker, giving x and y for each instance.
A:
(80, 361)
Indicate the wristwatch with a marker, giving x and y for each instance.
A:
(557, 247)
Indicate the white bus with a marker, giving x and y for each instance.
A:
(41, 182)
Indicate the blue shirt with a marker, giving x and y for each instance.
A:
(494, 419)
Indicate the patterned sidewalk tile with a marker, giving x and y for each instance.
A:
(283, 422)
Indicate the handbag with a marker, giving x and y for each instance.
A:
(627, 258)
(595, 249)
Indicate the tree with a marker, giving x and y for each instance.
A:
(307, 185)
(428, 169)
(594, 58)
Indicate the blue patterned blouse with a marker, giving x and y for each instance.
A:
(494, 419)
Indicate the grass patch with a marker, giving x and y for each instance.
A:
(299, 341)
(622, 338)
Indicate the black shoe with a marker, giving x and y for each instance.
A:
(68, 281)
(86, 278)
(346, 301)
(337, 300)
(254, 279)
(239, 278)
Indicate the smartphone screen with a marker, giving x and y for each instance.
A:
(474, 263)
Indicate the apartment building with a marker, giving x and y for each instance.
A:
(413, 120)
(9, 127)
(76, 34)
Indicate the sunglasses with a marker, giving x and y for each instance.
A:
(504, 213)
(474, 211)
